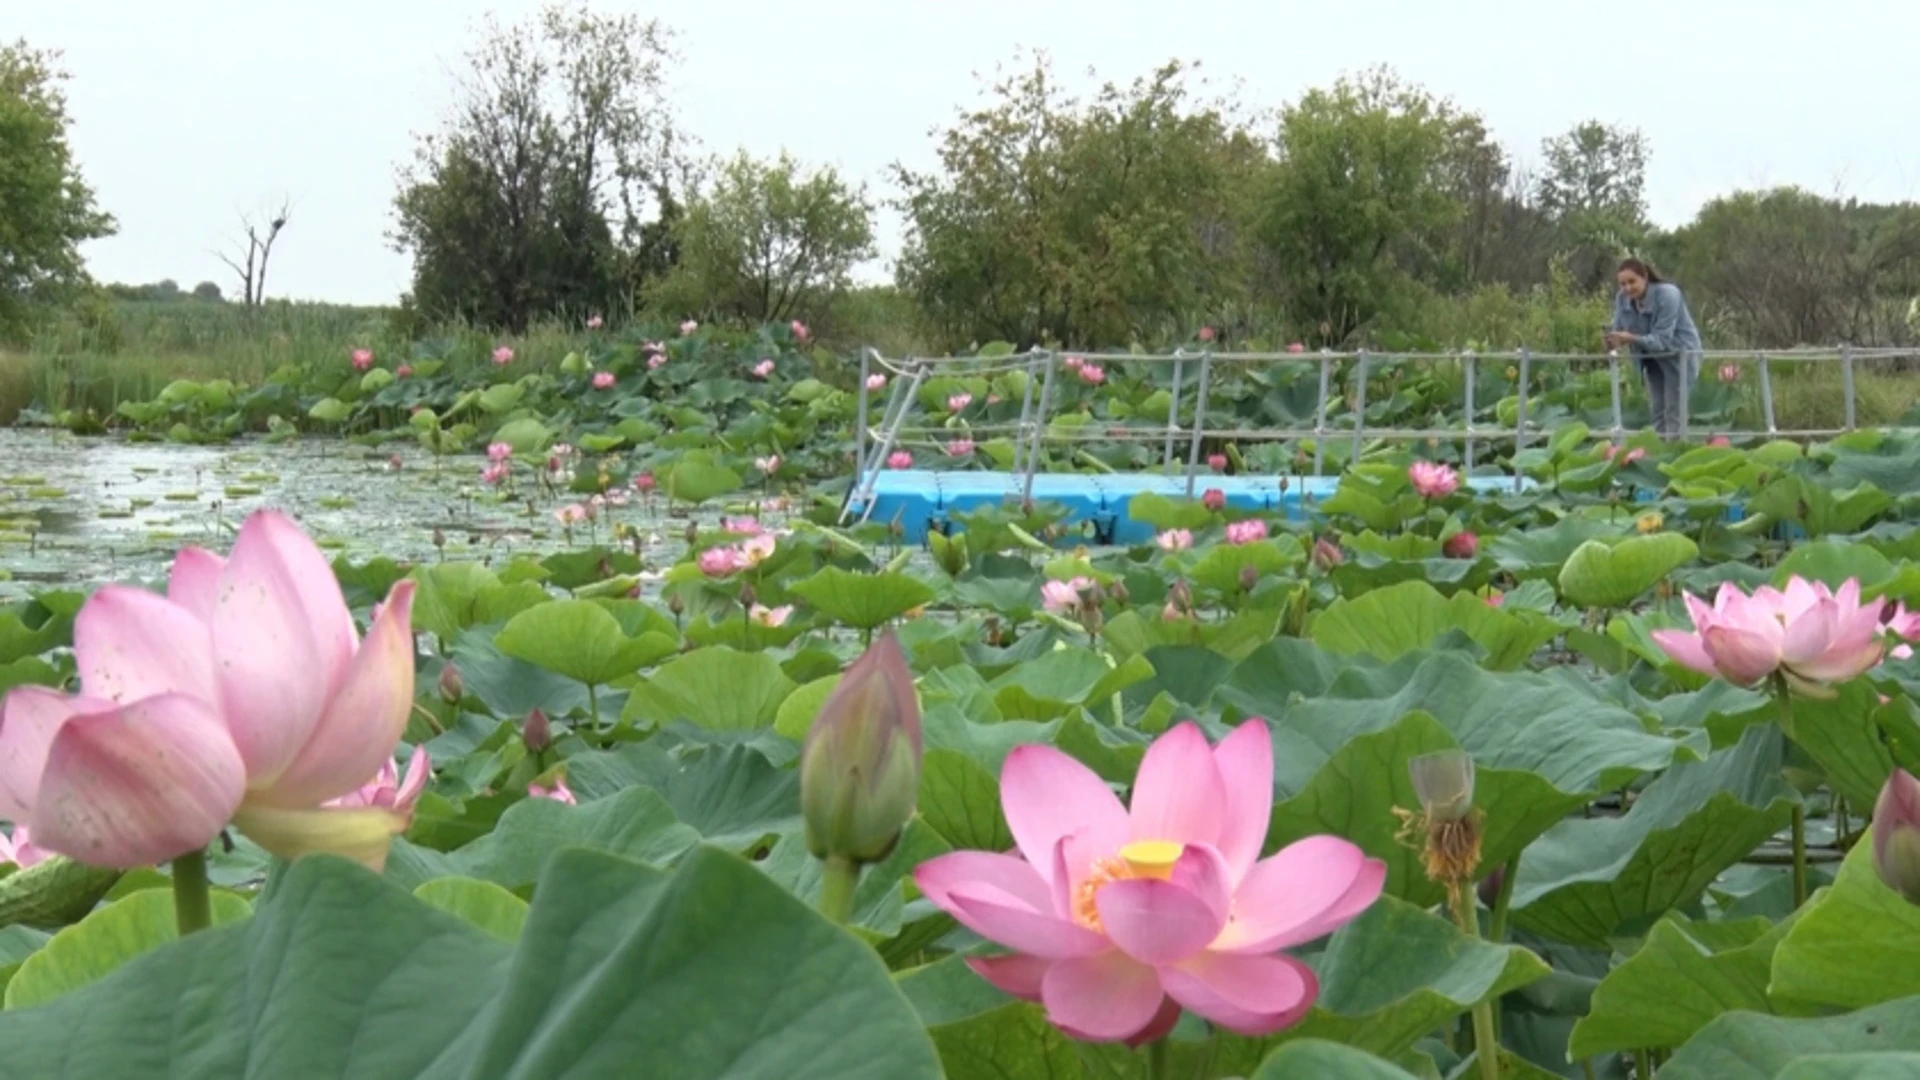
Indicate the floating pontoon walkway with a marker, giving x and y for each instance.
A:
(923, 501)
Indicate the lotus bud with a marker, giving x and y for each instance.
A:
(1326, 555)
(1180, 594)
(1461, 545)
(1490, 886)
(860, 765)
(693, 534)
(452, 687)
(748, 597)
(1118, 590)
(676, 605)
(1249, 577)
(537, 732)
(1214, 499)
(1896, 835)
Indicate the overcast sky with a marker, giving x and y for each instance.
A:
(189, 111)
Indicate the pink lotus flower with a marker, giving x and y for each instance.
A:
(19, 849)
(876, 381)
(1073, 363)
(1175, 540)
(503, 356)
(799, 330)
(1206, 333)
(603, 380)
(1461, 545)
(1217, 462)
(1296, 347)
(595, 322)
(770, 617)
(656, 361)
(1808, 633)
(404, 371)
(763, 369)
(1719, 440)
(721, 561)
(495, 474)
(769, 464)
(388, 790)
(1121, 917)
(499, 451)
(687, 328)
(559, 792)
(1061, 597)
(362, 359)
(1093, 374)
(1214, 499)
(900, 459)
(1729, 373)
(572, 514)
(1613, 454)
(742, 526)
(1246, 532)
(959, 401)
(1432, 480)
(644, 482)
(758, 549)
(243, 696)
(960, 448)
(1172, 613)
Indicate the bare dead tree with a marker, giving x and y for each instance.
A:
(251, 265)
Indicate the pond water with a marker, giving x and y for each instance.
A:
(77, 511)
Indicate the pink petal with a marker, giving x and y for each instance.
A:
(195, 581)
(1015, 973)
(1809, 633)
(362, 722)
(419, 772)
(1164, 922)
(30, 716)
(1839, 666)
(1309, 889)
(1103, 998)
(1179, 794)
(1698, 611)
(139, 784)
(1005, 919)
(1158, 1028)
(1687, 650)
(1247, 995)
(1245, 761)
(284, 639)
(1047, 795)
(129, 644)
(1741, 656)
(939, 876)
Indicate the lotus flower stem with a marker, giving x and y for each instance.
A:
(838, 877)
(192, 906)
(1486, 1047)
(1502, 901)
(1157, 1063)
(1785, 694)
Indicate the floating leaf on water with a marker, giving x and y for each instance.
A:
(259, 478)
(336, 502)
(183, 496)
(241, 491)
(46, 493)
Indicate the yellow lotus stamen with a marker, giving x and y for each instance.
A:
(1152, 858)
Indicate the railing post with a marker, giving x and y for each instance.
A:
(860, 421)
(1199, 417)
(1026, 414)
(1173, 408)
(1766, 395)
(1846, 375)
(1320, 420)
(1467, 360)
(1619, 436)
(1520, 423)
(1039, 425)
(1359, 408)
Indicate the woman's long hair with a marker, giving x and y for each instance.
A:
(1640, 268)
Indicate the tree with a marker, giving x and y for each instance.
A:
(250, 266)
(532, 199)
(1593, 188)
(46, 208)
(1090, 224)
(768, 244)
(1368, 187)
(208, 291)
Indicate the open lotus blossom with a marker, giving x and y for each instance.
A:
(499, 451)
(502, 356)
(768, 464)
(960, 448)
(1808, 633)
(876, 381)
(799, 329)
(1093, 374)
(19, 849)
(656, 361)
(603, 380)
(595, 322)
(770, 617)
(1613, 454)
(572, 514)
(495, 474)
(390, 790)
(559, 792)
(245, 696)
(956, 402)
(1073, 363)
(1432, 480)
(687, 328)
(1246, 532)
(1175, 540)
(644, 482)
(900, 459)
(758, 549)
(742, 526)
(1729, 373)
(1063, 596)
(721, 561)
(1121, 916)
(763, 369)
(362, 359)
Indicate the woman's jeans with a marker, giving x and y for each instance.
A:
(1669, 380)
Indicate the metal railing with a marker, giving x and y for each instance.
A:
(875, 442)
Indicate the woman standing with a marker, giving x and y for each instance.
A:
(1651, 316)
